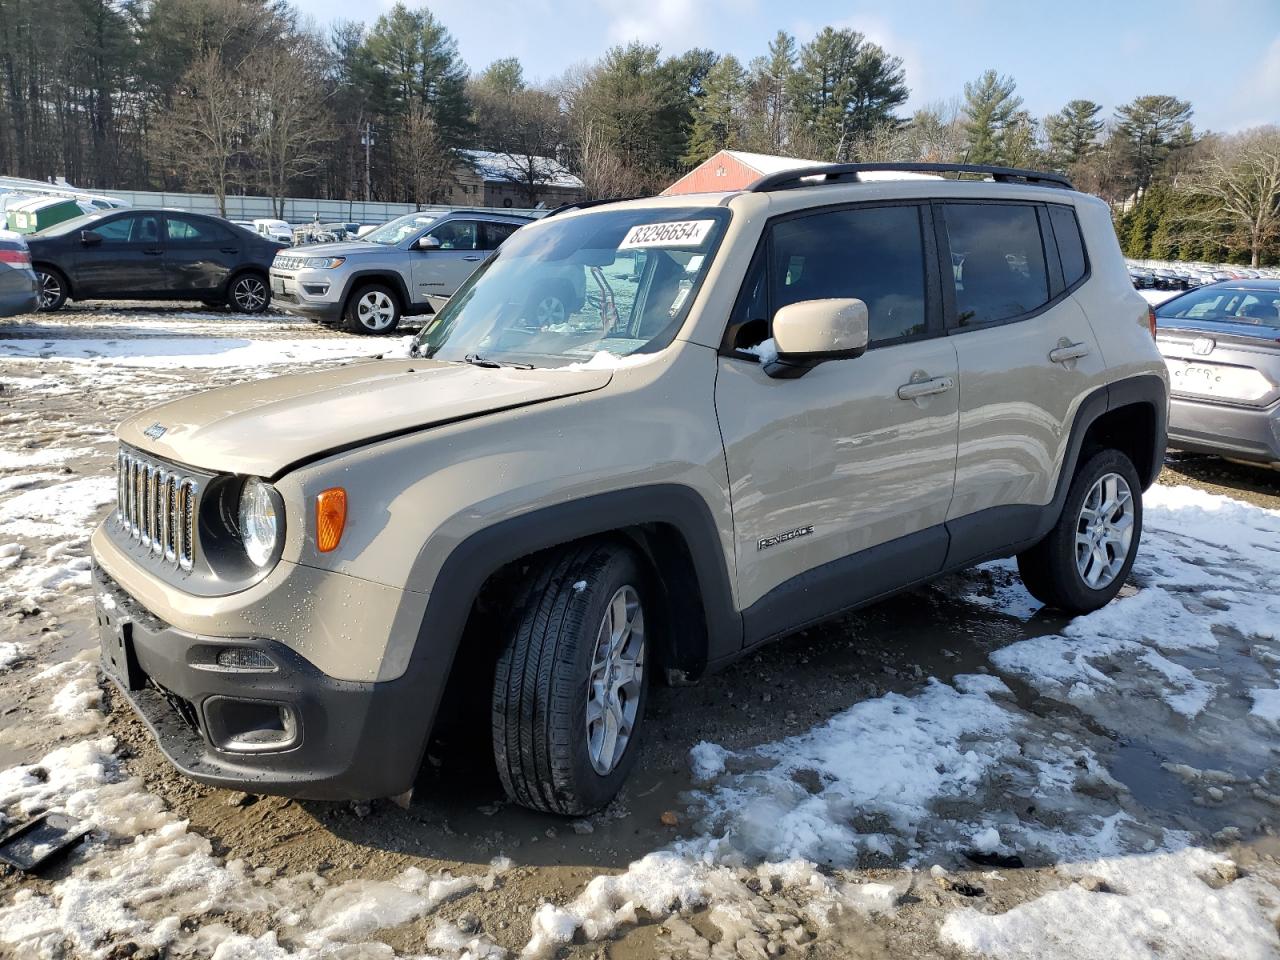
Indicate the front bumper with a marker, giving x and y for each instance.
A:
(290, 730)
(314, 294)
(1245, 433)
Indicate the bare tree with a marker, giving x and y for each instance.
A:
(423, 161)
(203, 135)
(289, 124)
(1239, 186)
(527, 130)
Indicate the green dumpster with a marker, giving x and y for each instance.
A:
(41, 212)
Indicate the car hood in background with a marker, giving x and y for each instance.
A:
(346, 248)
(263, 427)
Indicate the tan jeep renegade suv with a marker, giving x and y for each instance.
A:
(766, 407)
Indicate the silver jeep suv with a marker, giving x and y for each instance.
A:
(411, 265)
(761, 409)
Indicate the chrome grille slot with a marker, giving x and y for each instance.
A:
(156, 507)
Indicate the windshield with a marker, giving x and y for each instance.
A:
(400, 229)
(612, 281)
(1225, 303)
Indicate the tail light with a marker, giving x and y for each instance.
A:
(18, 258)
(1151, 320)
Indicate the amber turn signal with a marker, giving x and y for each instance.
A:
(331, 517)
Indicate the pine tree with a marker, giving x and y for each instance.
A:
(990, 106)
(718, 123)
(1151, 128)
(1073, 133)
(769, 106)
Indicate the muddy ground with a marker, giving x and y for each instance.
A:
(458, 819)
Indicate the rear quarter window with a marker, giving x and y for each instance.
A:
(1066, 231)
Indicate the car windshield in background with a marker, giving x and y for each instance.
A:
(613, 281)
(1234, 304)
(400, 229)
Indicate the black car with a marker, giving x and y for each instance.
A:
(153, 255)
(17, 282)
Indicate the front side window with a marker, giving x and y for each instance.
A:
(997, 261)
(559, 292)
(116, 231)
(458, 235)
(874, 254)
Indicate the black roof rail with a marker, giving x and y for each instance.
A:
(583, 204)
(848, 173)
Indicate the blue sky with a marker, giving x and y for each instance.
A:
(1222, 55)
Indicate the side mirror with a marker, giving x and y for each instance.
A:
(89, 238)
(813, 331)
(429, 243)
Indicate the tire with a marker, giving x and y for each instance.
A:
(549, 680)
(51, 289)
(1084, 561)
(549, 305)
(248, 293)
(372, 309)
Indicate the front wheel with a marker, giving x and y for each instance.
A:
(248, 293)
(51, 289)
(373, 309)
(1086, 558)
(571, 683)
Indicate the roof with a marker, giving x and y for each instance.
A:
(501, 168)
(767, 163)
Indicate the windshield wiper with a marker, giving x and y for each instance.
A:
(478, 361)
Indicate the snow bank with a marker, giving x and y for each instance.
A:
(199, 352)
(1162, 907)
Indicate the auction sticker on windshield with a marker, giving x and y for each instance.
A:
(676, 233)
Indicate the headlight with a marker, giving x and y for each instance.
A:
(259, 524)
(323, 263)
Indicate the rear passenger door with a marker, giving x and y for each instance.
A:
(840, 479)
(1027, 358)
(200, 254)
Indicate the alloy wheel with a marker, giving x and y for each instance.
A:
(50, 290)
(1104, 531)
(249, 294)
(375, 310)
(549, 310)
(613, 687)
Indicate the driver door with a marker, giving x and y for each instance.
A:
(440, 271)
(129, 260)
(840, 479)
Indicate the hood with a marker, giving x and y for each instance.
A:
(346, 248)
(265, 426)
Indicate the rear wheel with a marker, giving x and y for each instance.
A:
(248, 293)
(570, 686)
(51, 288)
(1086, 558)
(372, 309)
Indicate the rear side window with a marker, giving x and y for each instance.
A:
(182, 229)
(997, 259)
(873, 253)
(496, 233)
(1066, 231)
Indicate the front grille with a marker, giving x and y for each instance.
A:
(288, 263)
(156, 506)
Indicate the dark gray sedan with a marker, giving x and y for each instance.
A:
(17, 281)
(1222, 345)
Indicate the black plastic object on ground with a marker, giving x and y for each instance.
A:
(38, 840)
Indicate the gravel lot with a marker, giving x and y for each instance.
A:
(951, 773)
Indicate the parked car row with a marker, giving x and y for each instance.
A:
(1186, 277)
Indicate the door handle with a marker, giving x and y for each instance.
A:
(925, 388)
(155, 252)
(230, 249)
(471, 259)
(1066, 351)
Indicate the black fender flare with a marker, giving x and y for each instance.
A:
(474, 559)
(390, 278)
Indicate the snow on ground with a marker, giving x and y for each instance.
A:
(913, 779)
(1019, 758)
(1157, 297)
